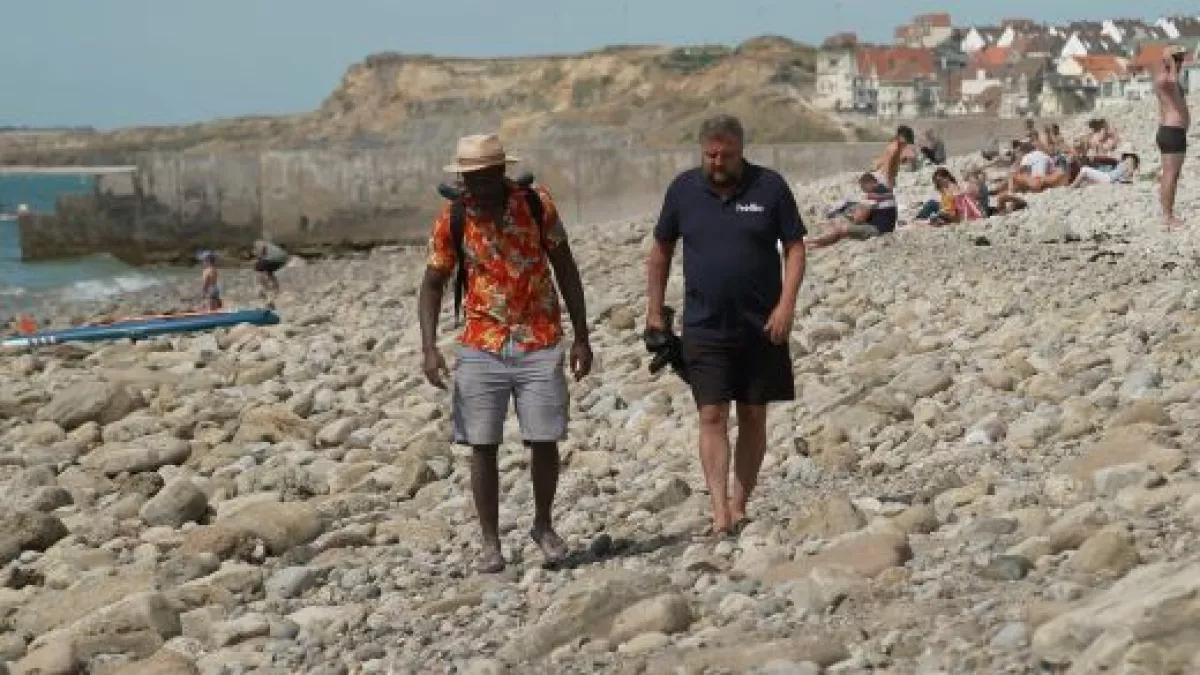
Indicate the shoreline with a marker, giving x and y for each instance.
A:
(177, 292)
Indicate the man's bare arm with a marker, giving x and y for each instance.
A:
(794, 255)
(570, 285)
(429, 305)
(658, 270)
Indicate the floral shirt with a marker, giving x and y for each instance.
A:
(510, 293)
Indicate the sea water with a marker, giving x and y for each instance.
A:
(94, 277)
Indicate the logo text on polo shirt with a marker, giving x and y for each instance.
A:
(750, 208)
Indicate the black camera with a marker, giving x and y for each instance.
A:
(666, 346)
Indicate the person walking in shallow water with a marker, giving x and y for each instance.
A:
(731, 216)
(511, 346)
(1173, 120)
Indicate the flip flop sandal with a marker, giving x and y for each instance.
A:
(490, 563)
(555, 550)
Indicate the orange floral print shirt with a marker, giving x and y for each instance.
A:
(510, 290)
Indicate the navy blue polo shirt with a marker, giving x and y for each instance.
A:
(731, 266)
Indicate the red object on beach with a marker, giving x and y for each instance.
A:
(26, 325)
(968, 207)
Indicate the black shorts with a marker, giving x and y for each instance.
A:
(268, 266)
(754, 371)
(1171, 140)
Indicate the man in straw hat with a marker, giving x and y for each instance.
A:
(511, 344)
(1173, 121)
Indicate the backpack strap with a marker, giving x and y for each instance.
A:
(458, 221)
(534, 200)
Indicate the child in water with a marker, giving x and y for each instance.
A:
(210, 290)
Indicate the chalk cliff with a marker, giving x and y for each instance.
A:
(651, 95)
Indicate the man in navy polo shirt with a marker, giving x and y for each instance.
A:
(738, 307)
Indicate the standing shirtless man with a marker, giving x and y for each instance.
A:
(1173, 122)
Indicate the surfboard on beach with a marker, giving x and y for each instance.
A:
(138, 328)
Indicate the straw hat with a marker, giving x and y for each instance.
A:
(479, 151)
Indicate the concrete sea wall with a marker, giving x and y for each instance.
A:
(310, 200)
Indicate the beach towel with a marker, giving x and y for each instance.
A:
(967, 207)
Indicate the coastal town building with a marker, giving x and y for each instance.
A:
(839, 85)
(980, 37)
(925, 30)
(1088, 43)
(1128, 31)
(1017, 68)
(1177, 27)
(887, 81)
(1023, 81)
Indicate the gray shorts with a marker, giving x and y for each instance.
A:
(484, 382)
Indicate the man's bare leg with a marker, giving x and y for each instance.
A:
(1172, 166)
(714, 460)
(1007, 203)
(748, 456)
(1058, 179)
(485, 489)
(543, 471)
(837, 233)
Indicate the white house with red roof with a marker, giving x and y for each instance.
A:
(888, 81)
(904, 79)
(925, 30)
(839, 84)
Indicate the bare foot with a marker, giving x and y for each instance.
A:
(553, 547)
(491, 560)
(722, 528)
(1174, 223)
(737, 513)
(715, 533)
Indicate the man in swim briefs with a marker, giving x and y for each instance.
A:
(1173, 122)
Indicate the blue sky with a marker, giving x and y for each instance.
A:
(121, 62)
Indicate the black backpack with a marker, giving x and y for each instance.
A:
(458, 220)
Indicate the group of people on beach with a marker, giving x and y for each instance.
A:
(1035, 162)
(505, 243)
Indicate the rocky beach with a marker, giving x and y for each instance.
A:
(992, 465)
